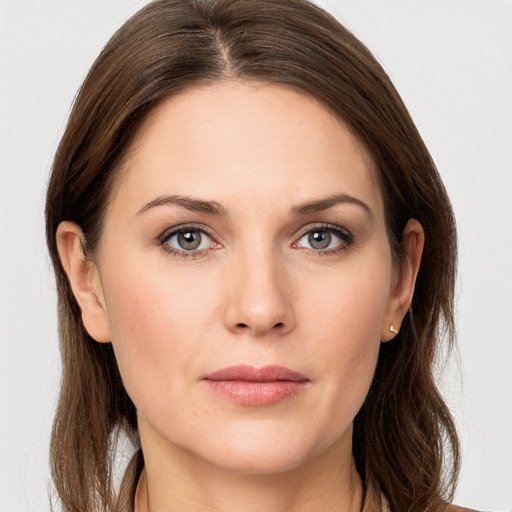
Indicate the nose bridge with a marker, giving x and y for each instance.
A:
(260, 299)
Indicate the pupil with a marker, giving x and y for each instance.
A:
(319, 239)
(189, 240)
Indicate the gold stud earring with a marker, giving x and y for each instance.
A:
(392, 329)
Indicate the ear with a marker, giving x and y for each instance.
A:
(413, 239)
(84, 279)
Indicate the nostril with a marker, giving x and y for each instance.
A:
(243, 326)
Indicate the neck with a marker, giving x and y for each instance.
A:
(174, 480)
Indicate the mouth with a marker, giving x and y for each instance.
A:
(256, 387)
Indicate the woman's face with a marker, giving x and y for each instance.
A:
(246, 228)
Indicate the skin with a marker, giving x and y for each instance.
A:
(256, 292)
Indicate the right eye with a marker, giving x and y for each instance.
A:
(187, 241)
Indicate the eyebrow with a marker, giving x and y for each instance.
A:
(214, 208)
(328, 202)
(194, 205)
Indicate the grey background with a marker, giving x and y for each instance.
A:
(452, 62)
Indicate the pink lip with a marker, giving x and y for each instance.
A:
(256, 386)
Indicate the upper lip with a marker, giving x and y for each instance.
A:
(249, 373)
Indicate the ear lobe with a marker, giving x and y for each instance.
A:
(84, 280)
(413, 239)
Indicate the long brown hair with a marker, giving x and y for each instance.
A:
(404, 438)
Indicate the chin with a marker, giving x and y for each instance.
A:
(263, 451)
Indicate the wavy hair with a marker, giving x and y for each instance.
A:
(404, 439)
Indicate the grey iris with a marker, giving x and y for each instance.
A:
(319, 239)
(189, 240)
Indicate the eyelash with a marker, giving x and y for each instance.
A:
(344, 234)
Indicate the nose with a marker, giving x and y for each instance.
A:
(260, 296)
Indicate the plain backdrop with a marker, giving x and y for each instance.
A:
(451, 60)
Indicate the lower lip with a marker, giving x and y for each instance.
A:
(257, 393)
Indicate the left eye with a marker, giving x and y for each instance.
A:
(322, 239)
(188, 239)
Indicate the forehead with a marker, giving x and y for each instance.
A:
(248, 141)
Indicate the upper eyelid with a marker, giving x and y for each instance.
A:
(323, 225)
(180, 227)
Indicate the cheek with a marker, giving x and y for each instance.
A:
(349, 304)
(157, 322)
(345, 322)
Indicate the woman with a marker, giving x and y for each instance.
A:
(255, 257)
